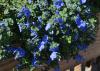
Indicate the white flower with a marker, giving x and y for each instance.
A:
(48, 26)
(53, 55)
(82, 1)
(41, 47)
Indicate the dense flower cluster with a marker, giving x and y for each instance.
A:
(52, 30)
(19, 52)
(80, 23)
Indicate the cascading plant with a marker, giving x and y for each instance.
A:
(45, 31)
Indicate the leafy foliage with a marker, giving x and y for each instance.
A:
(45, 31)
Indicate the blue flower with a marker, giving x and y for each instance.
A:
(58, 3)
(20, 27)
(48, 26)
(68, 31)
(45, 2)
(57, 12)
(58, 20)
(76, 36)
(53, 55)
(45, 39)
(79, 58)
(82, 46)
(57, 68)
(55, 49)
(80, 23)
(43, 42)
(41, 46)
(2, 25)
(39, 26)
(34, 33)
(27, 24)
(27, 13)
(20, 14)
(24, 11)
(40, 19)
(62, 26)
(34, 59)
(82, 1)
(48, 61)
(34, 62)
(10, 49)
(33, 23)
(18, 66)
(18, 51)
(29, 1)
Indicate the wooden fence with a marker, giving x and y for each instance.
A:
(89, 54)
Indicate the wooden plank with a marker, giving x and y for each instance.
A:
(9, 65)
(6, 61)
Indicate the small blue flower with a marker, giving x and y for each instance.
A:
(43, 42)
(20, 14)
(34, 33)
(27, 24)
(80, 23)
(34, 23)
(58, 3)
(29, 1)
(49, 61)
(82, 46)
(18, 66)
(62, 26)
(79, 58)
(48, 26)
(41, 46)
(34, 62)
(18, 51)
(39, 26)
(53, 55)
(76, 36)
(20, 27)
(2, 25)
(68, 31)
(34, 59)
(45, 2)
(24, 11)
(45, 39)
(40, 19)
(57, 12)
(58, 20)
(83, 26)
(57, 68)
(82, 1)
(10, 49)
(55, 49)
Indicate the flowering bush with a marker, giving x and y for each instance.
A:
(45, 31)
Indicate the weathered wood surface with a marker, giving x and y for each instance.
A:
(8, 64)
(92, 52)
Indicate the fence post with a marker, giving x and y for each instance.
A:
(83, 67)
(72, 68)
